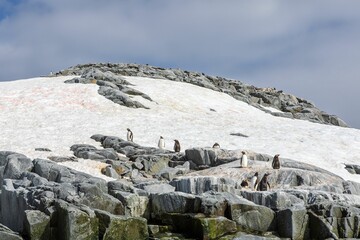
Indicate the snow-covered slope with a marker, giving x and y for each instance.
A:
(47, 113)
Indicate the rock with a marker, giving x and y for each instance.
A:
(154, 230)
(93, 197)
(7, 234)
(37, 225)
(211, 157)
(169, 173)
(351, 187)
(201, 227)
(352, 168)
(173, 202)
(51, 171)
(153, 164)
(110, 172)
(293, 223)
(134, 205)
(274, 200)
(134, 92)
(74, 223)
(246, 236)
(250, 216)
(119, 97)
(138, 165)
(183, 167)
(35, 179)
(13, 164)
(14, 216)
(120, 227)
(90, 152)
(212, 204)
(201, 156)
(201, 184)
(124, 186)
(156, 187)
(43, 149)
(331, 220)
(121, 168)
(16, 165)
(62, 159)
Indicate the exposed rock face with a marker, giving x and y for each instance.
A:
(112, 87)
(352, 168)
(37, 225)
(159, 188)
(113, 227)
(110, 76)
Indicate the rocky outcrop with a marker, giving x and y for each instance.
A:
(161, 194)
(112, 87)
(110, 76)
(352, 168)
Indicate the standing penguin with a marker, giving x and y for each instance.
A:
(130, 136)
(176, 146)
(216, 146)
(276, 162)
(264, 184)
(243, 160)
(254, 181)
(161, 143)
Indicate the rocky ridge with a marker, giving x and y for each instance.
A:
(115, 88)
(161, 194)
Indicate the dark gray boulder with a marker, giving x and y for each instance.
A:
(12, 164)
(353, 168)
(94, 197)
(153, 187)
(16, 165)
(110, 172)
(173, 202)
(7, 234)
(134, 204)
(199, 226)
(250, 216)
(275, 200)
(121, 227)
(293, 223)
(90, 152)
(212, 204)
(210, 156)
(334, 220)
(201, 184)
(119, 97)
(37, 225)
(14, 216)
(74, 223)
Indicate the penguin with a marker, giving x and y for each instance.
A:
(161, 143)
(130, 136)
(176, 146)
(245, 184)
(216, 146)
(254, 181)
(243, 160)
(264, 184)
(276, 162)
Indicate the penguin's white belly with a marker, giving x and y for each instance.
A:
(161, 144)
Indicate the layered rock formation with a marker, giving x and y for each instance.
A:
(159, 194)
(116, 88)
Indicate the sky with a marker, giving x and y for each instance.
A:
(310, 49)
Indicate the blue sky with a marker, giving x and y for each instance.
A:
(306, 48)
